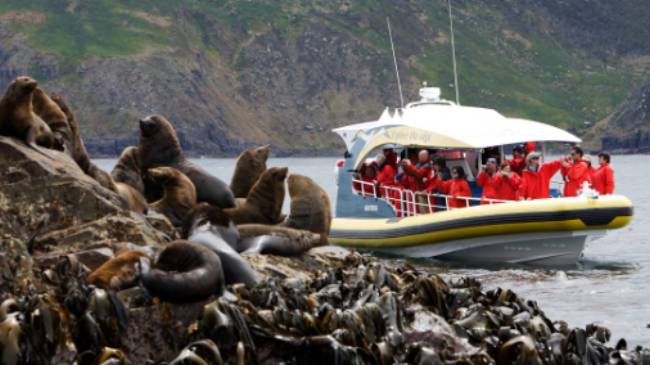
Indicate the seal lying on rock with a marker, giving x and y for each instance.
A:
(127, 169)
(17, 117)
(159, 146)
(250, 165)
(276, 240)
(209, 226)
(179, 196)
(120, 272)
(185, 272)
(310, 206)
(264, 203)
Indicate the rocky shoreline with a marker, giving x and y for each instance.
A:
(328, 306)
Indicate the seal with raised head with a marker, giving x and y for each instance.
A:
(185, 272)
(276, 240)
(310, 206)
(179, 195)
(263, 204)
(209, 226)
(79, 153)
(159, 146)
(127, 169)
(17, 117)
(250, 165)
(54, 117)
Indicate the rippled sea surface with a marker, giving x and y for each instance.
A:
(611, 286)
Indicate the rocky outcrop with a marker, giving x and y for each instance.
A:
(627, 130)
(52, 204)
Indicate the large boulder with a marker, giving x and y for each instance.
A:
(50, 201)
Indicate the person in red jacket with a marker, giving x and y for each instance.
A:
(603, 177)
(386, 175)
(575, 171)
(419, 174)
(457, 188)
(518, 162)
(506, 183)
(486, 180)
(536, 178)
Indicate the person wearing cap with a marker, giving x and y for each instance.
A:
(486, 180)
(536, 178)
(419, 173)
(506, 183)
(575, 172)
(603, 177)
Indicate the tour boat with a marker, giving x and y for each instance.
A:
(389, 220)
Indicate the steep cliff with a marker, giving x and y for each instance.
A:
(233, 73)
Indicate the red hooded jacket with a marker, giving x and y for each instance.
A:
(455, 188)
(603, 179)
(576, 174)
(535, 184)
(506, 187)
(487, 182)
(419, 175)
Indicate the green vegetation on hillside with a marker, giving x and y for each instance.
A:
(502, 64)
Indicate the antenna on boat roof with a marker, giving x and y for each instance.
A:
(392, 46)
(453, 53)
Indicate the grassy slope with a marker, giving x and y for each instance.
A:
(528, 75)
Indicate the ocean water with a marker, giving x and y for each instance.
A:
(611, 286)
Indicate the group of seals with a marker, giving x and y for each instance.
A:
(156, 174)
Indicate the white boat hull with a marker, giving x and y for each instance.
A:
(544, 249)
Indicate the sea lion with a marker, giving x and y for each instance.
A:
(127, 169)
(276, 240)
(185, 272)
(159, 146)
(17, 117)
(131, 198)
(250, 165)
(55, 118)
(209, 226)
(79, 152)
(264, 202)
(310, 206)
(118, 273)
(179, 194)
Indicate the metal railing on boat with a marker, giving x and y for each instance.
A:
(405, 203)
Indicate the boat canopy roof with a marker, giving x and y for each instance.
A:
(446, 125)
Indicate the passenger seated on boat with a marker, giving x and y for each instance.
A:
(457, 188)
(419, 173)
(575, 172)
(486, 180)
(536, 178)
(603, 177)
(506, 183)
